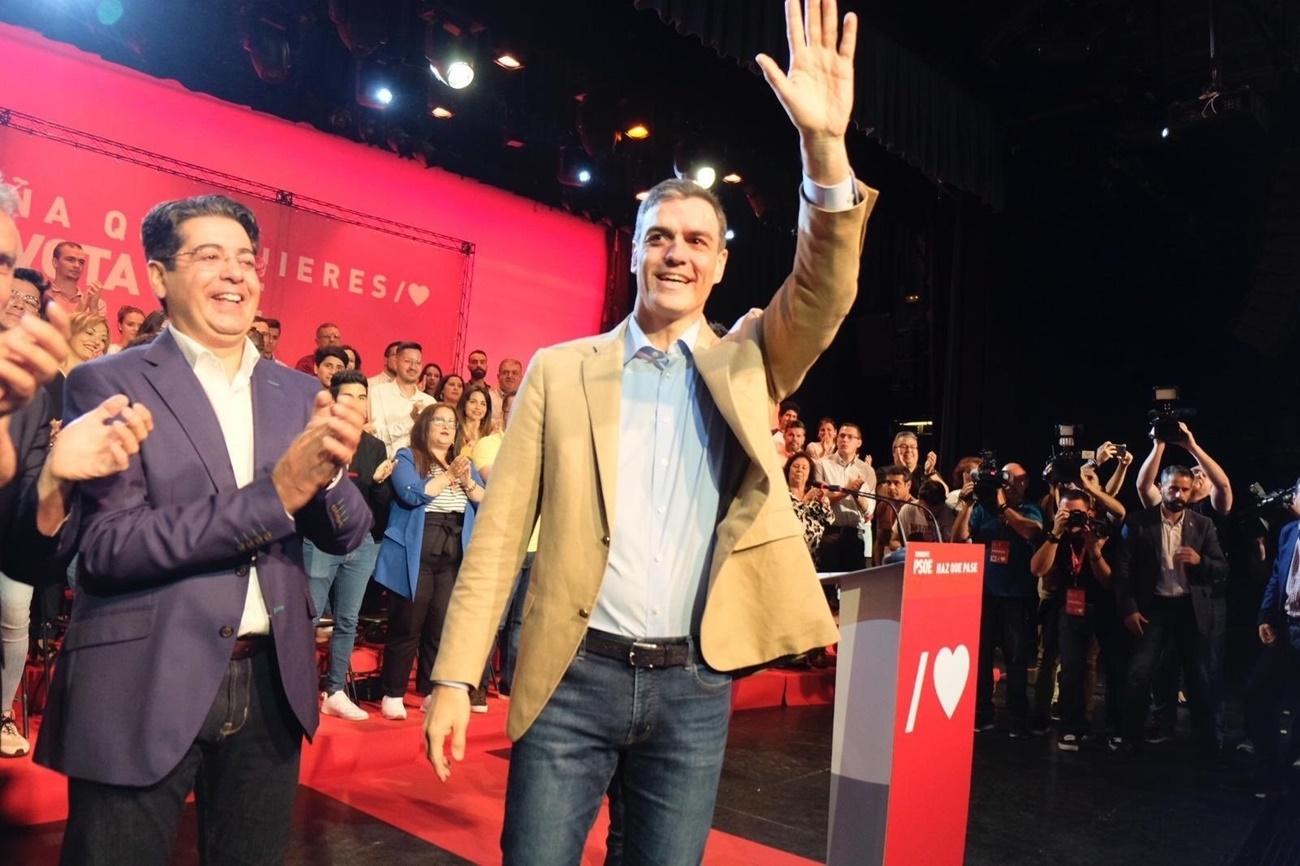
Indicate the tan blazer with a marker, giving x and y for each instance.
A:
(559, 459)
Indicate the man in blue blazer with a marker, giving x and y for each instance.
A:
(1279, 664)
(189, 662)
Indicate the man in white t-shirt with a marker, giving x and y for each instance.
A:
(394, 405)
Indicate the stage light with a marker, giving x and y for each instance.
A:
(383, 95)
(731, 177)
(109, 12)
(363, 25)
(376, 85)
(695, 163)
(515, 143)
(1164, 133)
(637, 131)
(266, 42)
(574, 169)
(705, 176)
(442, 113)
(450, 56)
(509, 61)
(730, 235)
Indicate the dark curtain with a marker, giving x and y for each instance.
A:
(903, 101)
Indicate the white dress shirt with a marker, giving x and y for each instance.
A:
(1293, 585)
(232, 401)
(833, 470)
(390, 411)
(1173, 576)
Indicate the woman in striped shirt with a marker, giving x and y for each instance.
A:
(429, 526)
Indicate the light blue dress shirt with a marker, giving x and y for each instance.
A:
(671, 447)
(671, 443)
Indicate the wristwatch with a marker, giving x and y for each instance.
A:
(1052, 537)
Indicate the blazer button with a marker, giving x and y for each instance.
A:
(226, 631)
(242, 571)
(583, 612)
(604, 539)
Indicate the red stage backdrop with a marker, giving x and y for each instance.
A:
(384, 248)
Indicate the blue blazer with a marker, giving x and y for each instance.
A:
(398, 567)
(166, 549)
(1272, 609)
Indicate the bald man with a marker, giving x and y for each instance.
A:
(1009, 528)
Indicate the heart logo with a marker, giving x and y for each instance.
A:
(417, 292)
(951, 671)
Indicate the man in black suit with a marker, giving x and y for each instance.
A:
(1165, 575)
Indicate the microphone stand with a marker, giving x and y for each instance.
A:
(898, 518)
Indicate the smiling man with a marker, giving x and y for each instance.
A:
(647, 453)
(191, 626)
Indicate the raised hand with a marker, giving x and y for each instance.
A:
(316, 455)
(100, 443)
(817, 89)
(31, 353)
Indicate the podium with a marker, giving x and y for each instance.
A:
(905, 708)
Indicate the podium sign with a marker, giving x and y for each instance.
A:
(905, 708)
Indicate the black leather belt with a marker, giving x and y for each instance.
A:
(250, 645)
(652, 653)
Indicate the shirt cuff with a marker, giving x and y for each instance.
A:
(840, 197)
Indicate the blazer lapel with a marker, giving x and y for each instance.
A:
(179, 388)
(269, 440)
(714, 365)
(602, 382)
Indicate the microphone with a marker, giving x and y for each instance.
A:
(915, 503)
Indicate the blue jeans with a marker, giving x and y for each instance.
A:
(514, 621)
(347, 576)
(665, 730)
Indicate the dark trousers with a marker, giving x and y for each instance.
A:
(1213, 652)
(416, 624)
(1100, 621)
(842, 550)
(1007, 623)
(242, 767)
(1049, 625)
(1276, 673)
(1171, 627)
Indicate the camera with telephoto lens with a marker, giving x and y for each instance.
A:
(988, 478)
(1263, 500)
(1067, 458)
(1167, 414)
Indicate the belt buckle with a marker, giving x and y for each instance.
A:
(631, 653)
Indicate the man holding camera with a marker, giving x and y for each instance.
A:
(992, 511)
(1212, 497)
(1165, 572)
(1074, 571)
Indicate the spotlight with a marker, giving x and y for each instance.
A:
(705, 176)
(730, 235)
(450, 56)
(442, 113)
(267, 44)
(573, 168)
(509, 61)
(731, 177)
(637, 131)
(693, 163)
(376, 86)
(1164, 132)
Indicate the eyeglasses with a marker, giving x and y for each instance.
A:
(211, 257)
(31, 302)
(443, 422)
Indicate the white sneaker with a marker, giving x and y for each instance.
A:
(392, 708)
(338, 704)
(12, 743)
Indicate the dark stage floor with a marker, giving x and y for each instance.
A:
(1030, 804)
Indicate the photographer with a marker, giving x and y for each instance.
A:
(1071, 564)
(1212, 497)
(992, 511)
(1165, 572)
(1278, 667)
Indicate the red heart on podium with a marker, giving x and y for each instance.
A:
(951, 671)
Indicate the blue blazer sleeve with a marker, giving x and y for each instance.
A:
(408, 484)
(1273, 604)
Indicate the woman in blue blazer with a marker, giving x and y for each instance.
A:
(436, 494)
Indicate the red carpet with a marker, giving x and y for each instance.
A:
(378, 767)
